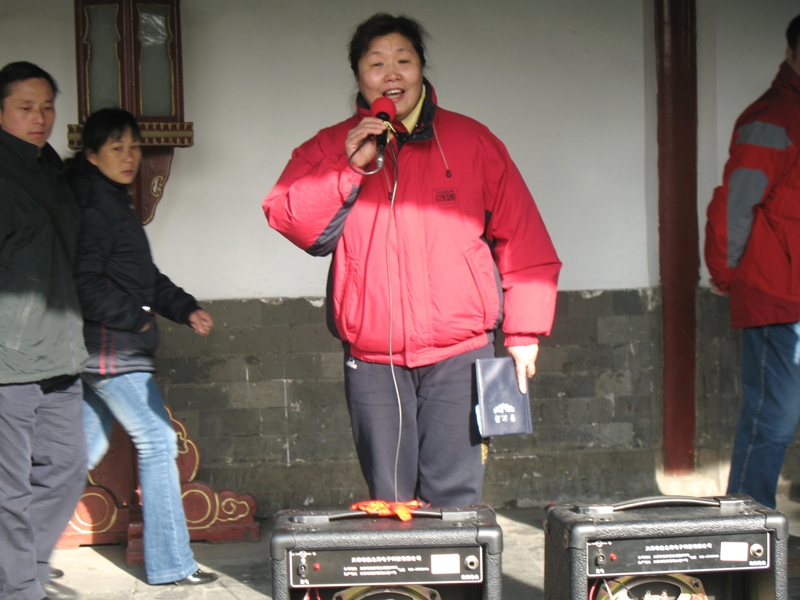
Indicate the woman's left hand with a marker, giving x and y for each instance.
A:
(525, 361)
(201, 321)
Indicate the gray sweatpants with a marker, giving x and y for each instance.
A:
(42, 475)
(441, 455)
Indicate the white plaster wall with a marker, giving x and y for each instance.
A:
(561, 83)
(566, 84)
(42, 32)
(741, 45)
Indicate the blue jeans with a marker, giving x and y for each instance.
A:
(134, 400)
(770, 409)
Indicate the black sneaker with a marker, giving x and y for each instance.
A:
(197, 578)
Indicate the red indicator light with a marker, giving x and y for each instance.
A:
(317, 567)
(612, 556)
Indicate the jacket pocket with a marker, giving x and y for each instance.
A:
(138, 343)
(18, 309)
(783, 201)
(346, 303)
(791, 233)
(766, 263)
(773, 239)
(487, 282)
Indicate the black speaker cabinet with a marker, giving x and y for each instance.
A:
(451, 554)
(670, 547)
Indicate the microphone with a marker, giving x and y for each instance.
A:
(385, 110)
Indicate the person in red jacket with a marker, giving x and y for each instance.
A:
(431, 252)
(752, 251)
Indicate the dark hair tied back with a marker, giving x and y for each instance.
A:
(108, 124)
(384, 24)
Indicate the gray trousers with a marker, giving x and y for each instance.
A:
(441, 455)
(42, 475)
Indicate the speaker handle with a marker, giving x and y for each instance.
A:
(311, 518)
(736, 502)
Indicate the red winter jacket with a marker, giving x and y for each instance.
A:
(752, 244)
(466, 245)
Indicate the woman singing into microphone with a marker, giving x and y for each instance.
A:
(431, 253)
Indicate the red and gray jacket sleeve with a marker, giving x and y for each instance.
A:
(314, 194)
(758, 159)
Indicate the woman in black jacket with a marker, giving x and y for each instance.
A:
(121, 291)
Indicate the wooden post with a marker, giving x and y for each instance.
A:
(679, 259)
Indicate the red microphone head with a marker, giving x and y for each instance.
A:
(383, 108)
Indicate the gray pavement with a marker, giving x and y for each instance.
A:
(100, 572)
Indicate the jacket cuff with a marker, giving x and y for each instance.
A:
(188, 310)
(349, 177)
(521, 339)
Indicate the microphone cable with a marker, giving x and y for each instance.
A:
(379, 167)
(392, 196)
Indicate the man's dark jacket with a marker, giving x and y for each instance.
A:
(40, 318)
(120, 288)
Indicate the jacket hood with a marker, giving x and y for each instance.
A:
(787, 78)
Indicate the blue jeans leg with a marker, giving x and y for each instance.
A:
(134, 400)
(98, 423)
(770, 409)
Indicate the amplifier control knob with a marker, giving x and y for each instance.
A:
(756, 550)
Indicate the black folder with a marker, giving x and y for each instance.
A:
(502, 409)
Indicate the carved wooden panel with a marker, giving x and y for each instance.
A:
(109, 511)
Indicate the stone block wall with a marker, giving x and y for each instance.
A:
(718, 391)
(263, 398)
(596, 406)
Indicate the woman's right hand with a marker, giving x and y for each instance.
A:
(369, 126)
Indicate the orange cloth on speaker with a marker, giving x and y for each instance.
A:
(382, 508)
